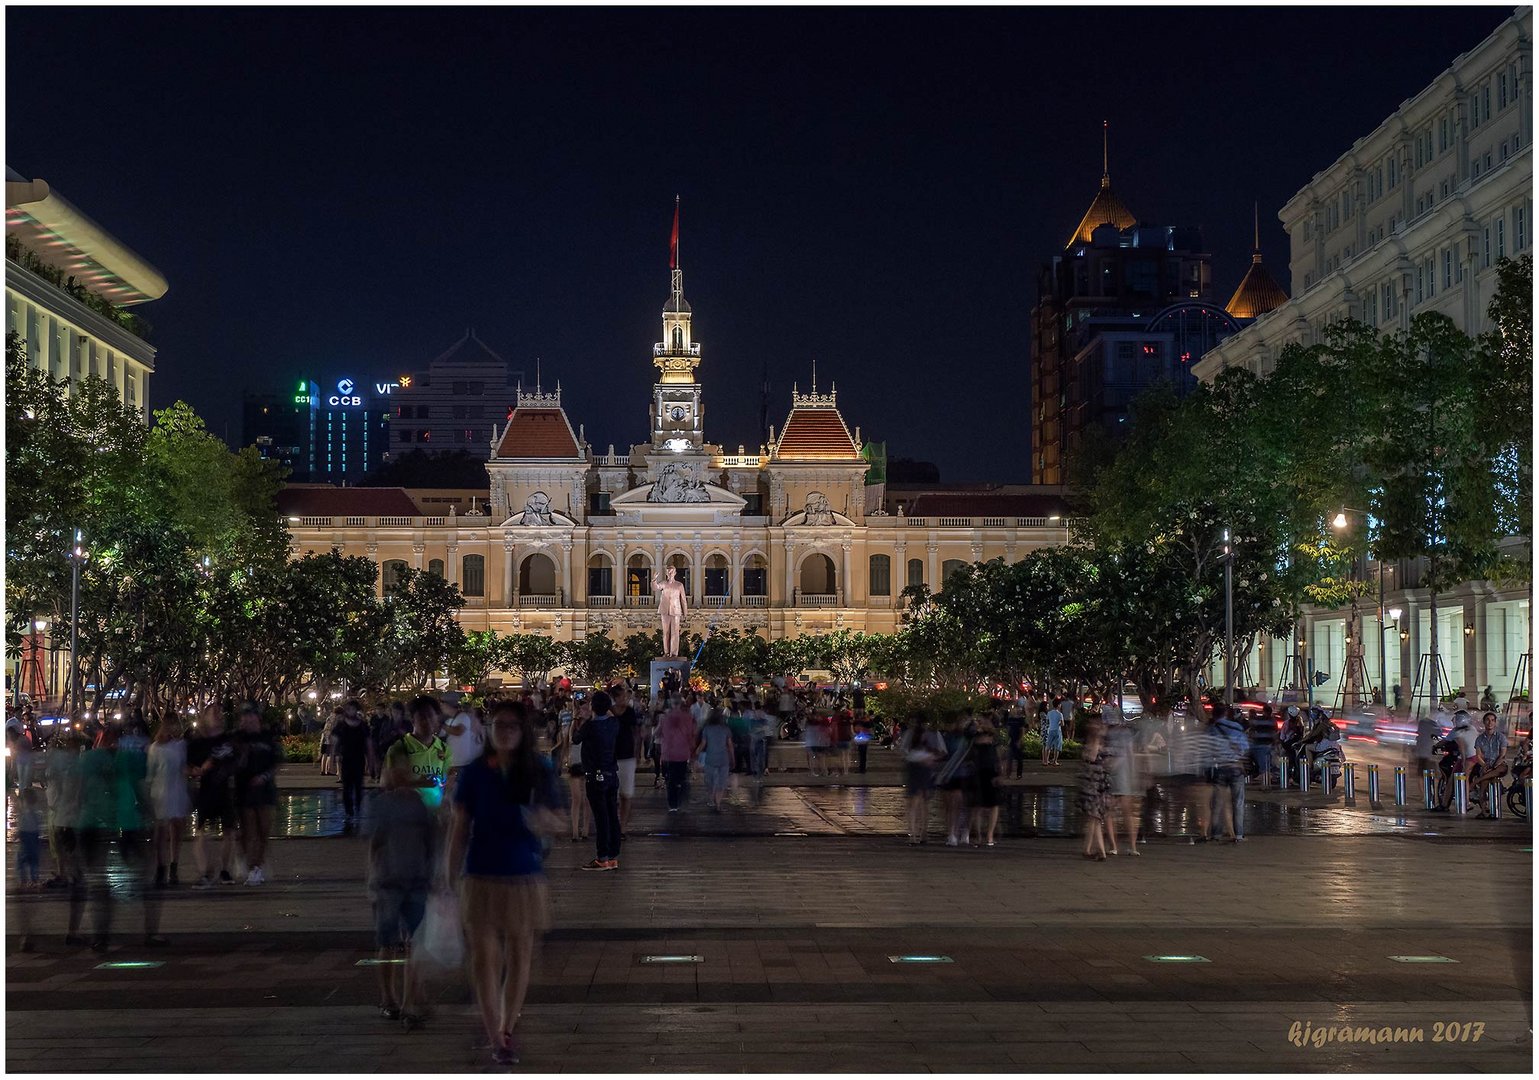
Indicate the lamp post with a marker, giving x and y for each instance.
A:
(1394, 617)
(1339, 522)
(77, 558)
(1228, 622)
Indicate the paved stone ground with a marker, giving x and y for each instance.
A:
(1048, 952)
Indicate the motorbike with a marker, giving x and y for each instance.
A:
(1451, 762)
(1517, 792)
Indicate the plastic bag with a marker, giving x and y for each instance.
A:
(440, 939)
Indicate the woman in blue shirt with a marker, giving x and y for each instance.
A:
(503, 803)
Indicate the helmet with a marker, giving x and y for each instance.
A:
(1293, 710)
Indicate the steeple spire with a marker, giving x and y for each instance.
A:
(1105, 153)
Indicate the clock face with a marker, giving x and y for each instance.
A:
(678, 413)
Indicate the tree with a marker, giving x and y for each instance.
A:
(531, 656)
(593, 659)
(479, 653)
(641, 650)
(424, 633)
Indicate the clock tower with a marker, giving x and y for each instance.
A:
(676, 411)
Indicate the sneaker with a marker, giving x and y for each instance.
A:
(389, 1012)
(505, 1055)
(156, 940)
(204, 882)
(595, 864)
(255, 877)
(611, 864)
(225, 878)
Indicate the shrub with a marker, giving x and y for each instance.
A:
(301, 748)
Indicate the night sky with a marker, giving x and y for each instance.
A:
(344, 192)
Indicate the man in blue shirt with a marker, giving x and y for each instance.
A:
(598, 738)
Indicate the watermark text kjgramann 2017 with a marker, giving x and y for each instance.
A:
(1306, 1033)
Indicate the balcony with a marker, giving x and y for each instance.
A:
(539, 601)
(647, 600)
(660, 349)
(754, 601)
(716, 601)
(817, 600)
(601, 601)
(738, 461)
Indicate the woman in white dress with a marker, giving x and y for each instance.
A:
(170, 795)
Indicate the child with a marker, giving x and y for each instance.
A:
(401, 843)
(29, 834)
(1094, 783)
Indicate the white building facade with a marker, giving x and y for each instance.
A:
(1413, 218)
(781, 542)
(68, 283)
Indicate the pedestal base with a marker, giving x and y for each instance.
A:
(664, 664)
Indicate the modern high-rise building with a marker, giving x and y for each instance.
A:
(68, 286)
(1124, 306)
(452, 404)
(1416, 214)
(333, 431)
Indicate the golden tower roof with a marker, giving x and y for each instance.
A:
(1105, 208)
(1259, 291)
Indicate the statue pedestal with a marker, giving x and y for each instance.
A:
(662, 665)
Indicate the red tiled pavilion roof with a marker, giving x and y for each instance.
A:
(816, 434)
(538, 433)
(323, 500)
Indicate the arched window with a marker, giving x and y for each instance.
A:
(949, 567)
(678, 339)
(390, 574)
(436, 566)
(638, 576)
(473, 575)
(817, 577)
(881, 575)
(915, 572)
(537, 576)
(601, 576)
(717, 576)
(755, 576)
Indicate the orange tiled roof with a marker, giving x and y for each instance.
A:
(1105, 209)
(538, 433)
(816, 434)
(322, 500)
(1258, 293)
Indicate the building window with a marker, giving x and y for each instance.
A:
(949, 567)
(755, 576)
(459, 412)
(1474, 110)
(436, 567)
(1501, 91)
(1485, 248)
(753, 504)
(881, 575)
(390, 574)
(1442, 133)
(473, 575)
(915, 572)
(598, 502)
(1501, 237)
(459, 436)
(476, 388)
(601, 580)
(1447, 268)
(1519, 233)
(1394, 173)
(1485, 95)
(459, 388)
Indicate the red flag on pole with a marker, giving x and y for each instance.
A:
(673, 241)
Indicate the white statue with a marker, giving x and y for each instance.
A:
(536, 510)
(672, 607)
(817, 511)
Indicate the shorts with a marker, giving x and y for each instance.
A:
(716, 776)
(397, 914)
(211, 812)
(627, 776)
(918, 779)
(501, 908)
(1053, 740)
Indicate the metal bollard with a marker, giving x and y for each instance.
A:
(1349, 781)
(1373, 785)
(1494, 797)
(1399, 785)
(1303, 775)
(1461, 792)
(1282, 773)
(1428, 788)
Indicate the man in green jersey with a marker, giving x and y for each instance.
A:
(422, 752)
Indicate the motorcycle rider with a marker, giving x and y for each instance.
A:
(1293, 739)
(1490, 764)
(1460, 742)
(1323, 738)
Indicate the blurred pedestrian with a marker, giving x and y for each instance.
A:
(353, 750)
(985, 785)
(503, 803)
(1094, 785)
(1015, 731)
(922, 749)
(1052, 735)
(328, 759)
(171, 797)
(422, 752)
(1263, 732)
(402, 837)
(114, 811)
(578, 794)
(627, 737)
(1122, 773)
(62, 777)
(211, 761)
(677, 736)
(953, 779)
(598, 738)
(256, 789)
(30, 816)
(715, 743)
(1230, 749)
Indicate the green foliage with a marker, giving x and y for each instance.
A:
(301, 749)
(530, 656)
(640, 650)
(594, 659)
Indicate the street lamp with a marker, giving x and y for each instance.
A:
(1228, 621)
(77, 557)
(1340, 522)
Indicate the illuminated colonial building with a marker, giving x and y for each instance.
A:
(784, 541)
(68, 285)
